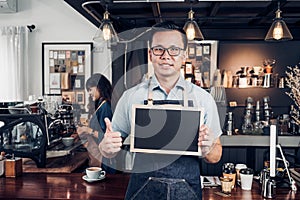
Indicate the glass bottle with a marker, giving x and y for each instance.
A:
(229, 124)
(292, 126)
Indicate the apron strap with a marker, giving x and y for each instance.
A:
(150, 93)
(185, 99)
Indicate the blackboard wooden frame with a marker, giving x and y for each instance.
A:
(165, 129)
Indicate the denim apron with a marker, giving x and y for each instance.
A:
(164, 177)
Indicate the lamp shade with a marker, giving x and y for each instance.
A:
(106, 31)
(192, 29)
(278, 30)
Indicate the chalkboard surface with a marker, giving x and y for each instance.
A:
(165, 129)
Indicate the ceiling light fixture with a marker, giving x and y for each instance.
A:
(192, 29)
(106, 30)
(278, 30)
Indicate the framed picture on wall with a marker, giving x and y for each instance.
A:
(191, 50)
(54, 80)
(198, 52)
(205, 59)
(77, 82)
(206, 49)
(59, 59)
(79, 97)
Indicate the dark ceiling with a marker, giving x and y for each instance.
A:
(218, 20)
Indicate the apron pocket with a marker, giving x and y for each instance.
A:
(165, 189)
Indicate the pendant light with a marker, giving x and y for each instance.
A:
(278, 30)
(106, 30)
(192, 29)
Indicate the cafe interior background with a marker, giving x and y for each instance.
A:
(229, 48)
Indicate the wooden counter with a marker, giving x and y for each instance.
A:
(62, 186)
(254, 194)
(72, 186)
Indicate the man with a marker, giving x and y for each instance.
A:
(159, 176)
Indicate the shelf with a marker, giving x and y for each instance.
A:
(258, 140)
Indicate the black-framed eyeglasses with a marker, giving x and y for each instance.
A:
(172, 51)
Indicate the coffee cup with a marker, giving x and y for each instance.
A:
(230, 173)
(246, 178)
(95, 172)
(226, 184)
(238, 167)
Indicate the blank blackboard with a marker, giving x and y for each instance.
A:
(165, 129)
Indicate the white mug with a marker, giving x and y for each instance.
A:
(95, 172)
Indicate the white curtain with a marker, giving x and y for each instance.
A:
(13, 63)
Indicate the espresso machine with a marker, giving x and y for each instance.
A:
(36, 135)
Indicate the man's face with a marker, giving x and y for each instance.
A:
(166, 65)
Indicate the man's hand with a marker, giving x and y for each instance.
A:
(205, 140)
(83, 132)
(210, 146)
(111, 142)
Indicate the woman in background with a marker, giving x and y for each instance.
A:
(100, 91)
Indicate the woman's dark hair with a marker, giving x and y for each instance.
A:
(102, 83)
(168, 26)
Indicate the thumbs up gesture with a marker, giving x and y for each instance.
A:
(111, 142)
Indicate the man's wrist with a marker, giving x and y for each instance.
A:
(104, 153)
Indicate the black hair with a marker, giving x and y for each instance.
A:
(168, 26)
(102, 83)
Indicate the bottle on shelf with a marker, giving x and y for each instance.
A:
(247, 126)
(258, 124)
(235, 81)
(229, 125)
(217, 78)
(267, 110)
(224, 79)
(293, 128)
(230, 79)
(281, 83)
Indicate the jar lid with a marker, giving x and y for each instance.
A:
(246, 171)
(240, 166)
(228, 166)
(229, 171)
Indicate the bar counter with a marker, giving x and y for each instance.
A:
(258, 140)
(72, 186)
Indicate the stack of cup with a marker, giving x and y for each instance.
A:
(238, 167)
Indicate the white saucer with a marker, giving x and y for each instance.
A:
(92, 180)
